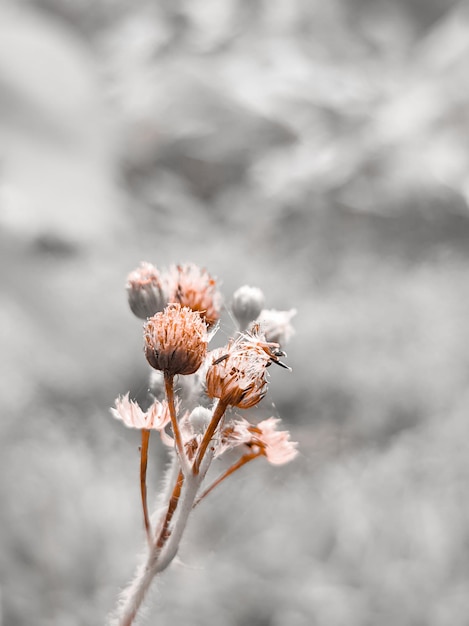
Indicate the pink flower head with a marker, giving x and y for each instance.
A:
(262, 440)
(234, 434)
(193, 287)
(274, 444)
(128, 411)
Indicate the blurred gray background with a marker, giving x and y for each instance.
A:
(318, 150)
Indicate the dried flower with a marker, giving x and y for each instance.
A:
(234, 434)
(274, 444)
(145, 291)
(193, 287)
(176, 340)
(276, 325)
(129, 411)
(246, 305)
(237, 374)
(256, 337)
(182, 306)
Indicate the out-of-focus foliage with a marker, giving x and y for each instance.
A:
(316, 149)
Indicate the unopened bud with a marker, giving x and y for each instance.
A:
(200, 419)
(246, 305)
(145, 291)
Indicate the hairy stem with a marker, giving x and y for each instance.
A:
(163, 534)
(185, 507)
(165, 548)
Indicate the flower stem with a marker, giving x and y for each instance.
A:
(169, 387)
(143, 480)
(242, 461)
(163, 534)
(211, 428)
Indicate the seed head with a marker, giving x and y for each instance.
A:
(237, 374)
(176, 340)
(193, 287)
(145, 291)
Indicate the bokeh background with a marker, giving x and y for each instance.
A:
(318, 150)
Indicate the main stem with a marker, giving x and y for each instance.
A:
(164, 551)
(185, 507)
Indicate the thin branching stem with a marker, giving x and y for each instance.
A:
(211, 428)
(143, 481)
(169, 387)
(242, 461)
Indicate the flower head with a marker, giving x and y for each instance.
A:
(129, 412)
(193, 287)
(237, 374)
(257, 337)
(234, 434)
(274, 444)
(261, 440)
(145, 291)
(176, 340)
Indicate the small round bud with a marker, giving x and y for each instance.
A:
(200, 419)
(246, 305)
(176, 340)
(145, 291)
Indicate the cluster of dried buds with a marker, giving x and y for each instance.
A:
(196, 393)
